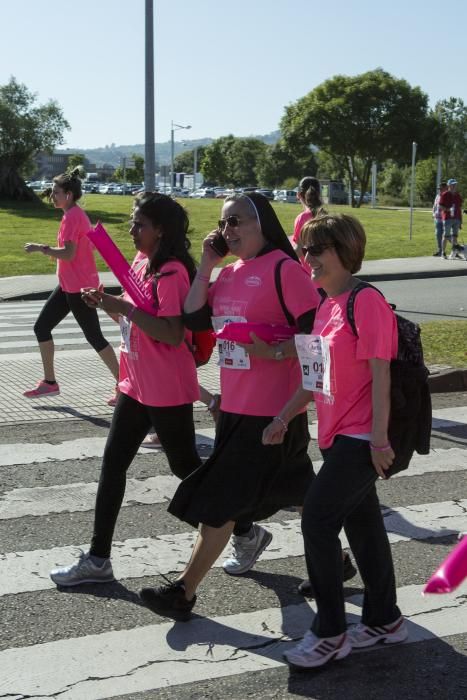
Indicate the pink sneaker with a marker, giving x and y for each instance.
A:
(42, 389)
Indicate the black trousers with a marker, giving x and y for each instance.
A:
(343, 494)
(130, 423)
(58, 306)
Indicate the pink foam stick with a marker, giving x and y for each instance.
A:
(121, 269)
(240, 332)
(452, 571)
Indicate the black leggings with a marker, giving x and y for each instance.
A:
(130, 423)
(58, 306)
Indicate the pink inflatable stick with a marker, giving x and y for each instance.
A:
(452, 571)
(271, 334)
(121, 269)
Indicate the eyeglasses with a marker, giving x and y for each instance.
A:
(232, 221)
(314, 250)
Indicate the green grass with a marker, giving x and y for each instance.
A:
(387, 230)
(444, 342)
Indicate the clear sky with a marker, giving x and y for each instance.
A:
(222, 67)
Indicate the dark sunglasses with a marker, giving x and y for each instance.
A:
(314, 250)
(232, 221)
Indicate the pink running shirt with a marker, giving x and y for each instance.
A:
(246, 289)
(300, 221)
(151, 372)
(348, 411)
(82, 270)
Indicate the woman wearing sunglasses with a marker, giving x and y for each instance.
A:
(243, 480)
(352, 435)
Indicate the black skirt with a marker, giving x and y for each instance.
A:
(245, 480)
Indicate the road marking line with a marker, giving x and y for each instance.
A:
(134, 558)
(169, 655)
(79, 497)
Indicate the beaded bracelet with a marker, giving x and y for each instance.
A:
(129, 315)
(282, 422)
(385, 448)
(203, 278)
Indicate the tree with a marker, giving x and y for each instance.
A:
(135, 174)
(452, 115)
(184, 162)
(280, 162)
(25, 129)
(214, 165)
(363, 118)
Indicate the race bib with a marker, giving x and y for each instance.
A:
(313, 354)
(230, 355)
(125, 330)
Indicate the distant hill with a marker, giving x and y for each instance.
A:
(112, 154)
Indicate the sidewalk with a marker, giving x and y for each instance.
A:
(39, 286)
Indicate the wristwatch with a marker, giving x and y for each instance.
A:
(279, 354)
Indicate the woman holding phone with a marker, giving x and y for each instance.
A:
(243, 480)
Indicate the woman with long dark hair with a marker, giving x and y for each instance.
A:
(76, 268)
(158, 382)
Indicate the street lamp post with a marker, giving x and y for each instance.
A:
(175, 127)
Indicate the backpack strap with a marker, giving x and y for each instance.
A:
(351, 303)
(277, 281)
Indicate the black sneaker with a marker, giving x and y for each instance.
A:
(437, 254)
(169, 601)
(348, 572)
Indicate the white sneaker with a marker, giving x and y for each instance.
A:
(315, 651)
(246, 551)
(362, 636)
(83, 571)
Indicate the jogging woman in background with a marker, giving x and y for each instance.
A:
(76, 268)
(309, 196)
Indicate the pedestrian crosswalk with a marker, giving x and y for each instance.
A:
(99, 642)
(145, 656)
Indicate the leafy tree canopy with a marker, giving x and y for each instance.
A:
(25, 129)
(233, 161)
(184, 162)
(359, 119)
(280, 162)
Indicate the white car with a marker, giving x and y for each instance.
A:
(286, 196)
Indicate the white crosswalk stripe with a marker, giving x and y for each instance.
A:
(47, 492)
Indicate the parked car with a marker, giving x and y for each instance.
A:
(269, 194)
(203, 193)
(286, 196)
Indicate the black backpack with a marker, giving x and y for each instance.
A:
(410, 418)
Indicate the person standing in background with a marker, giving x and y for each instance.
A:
(450, 203)
(438, 220)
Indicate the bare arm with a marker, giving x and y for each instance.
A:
(274, 433)
(198, 294)
(68, 251)
(166, 329)
(381, 403)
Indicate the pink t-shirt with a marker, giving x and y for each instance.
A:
(81, 271)
(246, 289)
(298, 225)
(299, 222)
(155, 373)
(348, 411)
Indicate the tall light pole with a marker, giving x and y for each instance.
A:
(195, 166)
(175, 127)
(149, 142)
(412, 186)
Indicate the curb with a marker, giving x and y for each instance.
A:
(448, 381)
(421, 275)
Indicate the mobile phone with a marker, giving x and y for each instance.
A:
(219, 245)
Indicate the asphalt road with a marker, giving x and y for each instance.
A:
(421, 300)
